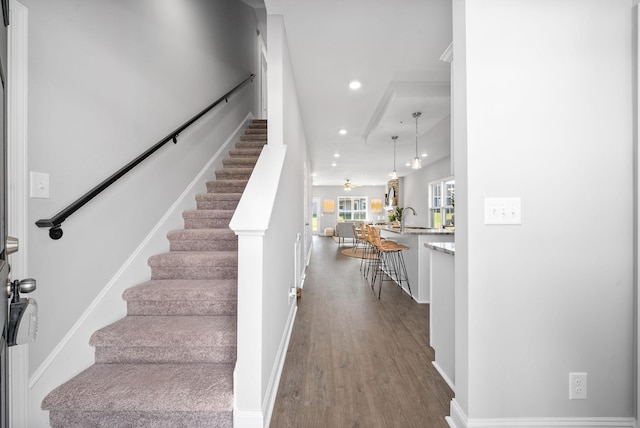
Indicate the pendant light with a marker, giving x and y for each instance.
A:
(416, 164)
(394, 174)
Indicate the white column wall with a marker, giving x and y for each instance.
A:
(269, 218)
(543, 111)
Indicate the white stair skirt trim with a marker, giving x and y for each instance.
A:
(276, 373)
(262, 418)
(459, 420)
(73, 353)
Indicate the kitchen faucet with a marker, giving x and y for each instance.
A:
(404, 216)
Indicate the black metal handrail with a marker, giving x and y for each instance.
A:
(55, 231)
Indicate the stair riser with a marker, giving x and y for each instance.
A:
(203, 204)
(253, 137)
(158, 419)
(206, 223)
(256, 145)
(244, 153)
(195, 272)
(240, 162)
(203, 245)
(225, 187)
(222, 174)
(180, 307)
(163, 355)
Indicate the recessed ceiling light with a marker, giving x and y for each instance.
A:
(334, 164)
(407, 164)
(424, 155)
(336, 155)
(343, 132)
(354, 84)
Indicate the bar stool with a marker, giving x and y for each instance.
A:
(390, 261)
(357, 236)
(370, 253)
(370, 257)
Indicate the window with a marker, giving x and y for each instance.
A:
(442, 203)
(352, 208)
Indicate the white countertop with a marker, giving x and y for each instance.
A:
(445, 247)
(413, 230)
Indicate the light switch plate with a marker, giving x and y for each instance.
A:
(502, 211)
(39, 185)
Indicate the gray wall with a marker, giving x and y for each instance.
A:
(107, 79)
(332, 192)
(545, 116)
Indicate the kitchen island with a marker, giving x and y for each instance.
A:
(416, 258)
(442, 311)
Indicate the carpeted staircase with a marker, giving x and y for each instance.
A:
(169, 362)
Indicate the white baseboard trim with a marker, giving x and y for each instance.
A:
(73, 353)
(458, 419)
(444, 376)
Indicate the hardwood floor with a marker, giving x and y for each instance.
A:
(356, 361)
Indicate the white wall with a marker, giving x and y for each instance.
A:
(414, 189)
(269, 219)
(543, 111)
(332, 192)
(107, 80)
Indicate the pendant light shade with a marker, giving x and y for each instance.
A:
(394, 174)
(416, 163)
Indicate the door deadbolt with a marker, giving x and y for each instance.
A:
(12, 245)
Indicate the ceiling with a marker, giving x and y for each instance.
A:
(393, 48)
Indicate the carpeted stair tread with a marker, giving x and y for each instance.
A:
(250, 137)
(194, 265)
(241, 162)
(221, 239)
(245, 153)
(227, 186)
(207, 219)
(236, 173)
(217, 201)
(255, 131)
(220, 196)
(179, 289)
(192, 234)
(251, 145)
(195, 258)
(137, 419)
(172, 331)
(183, 297)
(207, 214)
(147, 388)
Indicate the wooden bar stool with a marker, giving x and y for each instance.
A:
(390, 261)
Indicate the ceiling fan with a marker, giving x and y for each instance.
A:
(348, 185)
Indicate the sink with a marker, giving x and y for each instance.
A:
(416, 227)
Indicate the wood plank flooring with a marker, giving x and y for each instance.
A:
(356, 361)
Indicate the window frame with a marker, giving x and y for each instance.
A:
(441, 202)
(355, 214)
